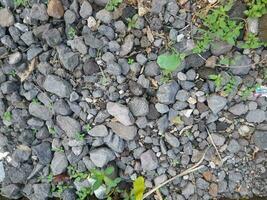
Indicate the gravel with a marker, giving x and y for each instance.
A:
(101, 156)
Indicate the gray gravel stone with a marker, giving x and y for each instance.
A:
(101, 156)
(69, 125)
(98, 131)
(61, 107)
(167, 92)
(241, 64)
(104, 16)
(40, 111)
(172, 140)
(9, 87)
(43, 152)
(2, 172)
(216, 103)
(260, 139)
(38, 12)
(59, 163)
(57, 85)
(162, 108)
(218, 139)
(139, 106)
(149, 160)
(127, 45)
(69, 59)
(6, 17)
(256, 116)
(188, 190)
(11, 191)
(114, 69)
(86, 10)
(152, 69)
(233, 146)
(239, 109)
(114, 142)
(121, 113)
(219, 48)
(125, 132)
(182, 95)
(163, 123)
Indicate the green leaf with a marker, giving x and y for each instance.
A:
(169, 62)
(109, 170)
(213, 77)
(139, 188)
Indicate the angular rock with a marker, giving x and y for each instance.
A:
(38, 12)
(114, 142)
(86, 10)
(104, 16)
(239, 109)
(139, 106)
(149, 161)
(43, 152)
(11, 191)
(98, 131)
(263, 28)
(90, 67)
(69, 59)
(241, 64)
(167, 92)
(101, 156)
(217, 139)
(52, 37)
(6, 18)
(127, 45)
(260, 139)
(40, 111)
(55, 9)
(125, 132)
(69, 125)
(216, 103)
(219, 48)
(172, 140)
(57, 85)
(59, 163)
(9, 87)
(188, 190)
(41, 191)
(233, 146)
(121, 113)
(256, 116)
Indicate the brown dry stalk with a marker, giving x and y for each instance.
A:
(24, 75)
(212, 142)
(194, 168)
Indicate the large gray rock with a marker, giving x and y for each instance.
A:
(139, 106)
(40, 111)
(52, 37)
(188, 190)
(149, 160)
(104, 16)
(101, 156)
(260, 139)
(43, 152)
(11, 191)
(69, 59)
(98, 131)
(41, 191)
(217, 139)
(86, 10)
(114, 142)
(239, 109)
(121, 113)
(39, 12)
(172, 140)
(256, 116)
(59, 163)
(167, 92)
(69, 125)
(216, 103)
(57, 85)
(125, 132)
(127, 46)
(6, 17)
(219, 48)
(241, 64)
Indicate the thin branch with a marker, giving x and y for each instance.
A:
(194, 168)
(212, 142)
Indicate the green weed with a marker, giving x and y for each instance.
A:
(23, 3)
(256, 8)
(229, 87)
(88, 127)
(112, 5)
(35, 101)
(13, 73)
(59, 189)
(218, 26)
(74, 174)
(71, 33)
(248, 91)
(7, 116)
(130, 61)
(52, 130)
(252, 42)
(217, 80)
(60, 149)
(79, 137)
(169, 62)
(131, 22)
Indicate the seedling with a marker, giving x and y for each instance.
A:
(131, 22)
(52, 130)
(13, 73)
(35, 101)
(130, 61)
(59, 189)
(79, 136)
(83, 193)
(113, 4)
(217, 80)
(169, 62)
(88, 127)
(71, 33)
(7, 116)
(252, 42)
(229, 87)
(60, 149)
(138, 190)
(257, 8)
(19, 3)
(47, 179)
(248, 91)
(74, 174)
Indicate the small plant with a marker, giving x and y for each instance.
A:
(169, 62)
(88, 127)
(252, 42)
(217, 80)
(13, 73)
(257, 8)
(71, 33)
(59, 189)
(218, 26)
(229, 87)
(74, 174)
(112, 5)
(60, 149)
(35, 101)
(52, 130)
(7, 116)
(138, 190)
(79, 136)
(131, 22)
(130, 61)
(225, 61)
(248, 91)
(19, 3)
(83, 193)
(47, 179)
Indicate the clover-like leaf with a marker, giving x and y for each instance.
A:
(169, 62)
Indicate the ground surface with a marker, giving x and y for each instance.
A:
(79, 88)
